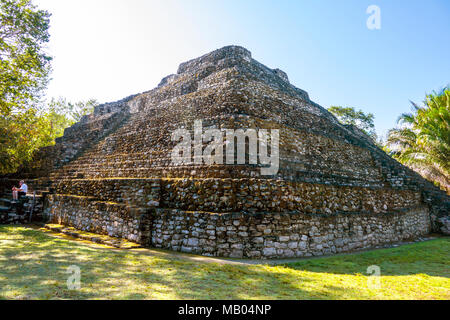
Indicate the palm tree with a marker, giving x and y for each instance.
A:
(423, 140)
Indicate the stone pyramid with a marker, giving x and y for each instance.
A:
(334, 190)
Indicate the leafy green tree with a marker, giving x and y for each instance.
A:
(16, 139)
(30, 130)
(74, 111)
(357, 118)
(24, 65)
(423, 140)
(25, 123)
(24, 73)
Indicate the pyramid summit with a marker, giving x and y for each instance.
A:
(333, 191)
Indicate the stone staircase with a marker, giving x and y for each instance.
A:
(20, 212)
(10, 212)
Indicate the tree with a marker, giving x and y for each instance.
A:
(33, 129)
(423, 140)
(73, 111)
(24, 66)
(357, 118)
(24, 72)
(26, 124)
(16, 139)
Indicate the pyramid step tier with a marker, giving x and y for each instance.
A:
(242, 234)
(246, 194)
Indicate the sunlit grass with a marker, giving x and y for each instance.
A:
(33, 266)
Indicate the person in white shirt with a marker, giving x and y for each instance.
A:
(21, 191)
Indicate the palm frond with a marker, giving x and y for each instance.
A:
(423, 142)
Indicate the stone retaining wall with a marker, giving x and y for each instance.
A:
(233, 195)
(271, 219)
(132, 192)
(286, 235)
(87, 214)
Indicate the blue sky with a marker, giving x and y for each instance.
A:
(109, 49)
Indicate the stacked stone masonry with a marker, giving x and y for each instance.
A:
(282, 235)
(335, 190)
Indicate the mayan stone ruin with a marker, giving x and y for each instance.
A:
(335, 190)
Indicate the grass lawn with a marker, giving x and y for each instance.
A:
(33, 265)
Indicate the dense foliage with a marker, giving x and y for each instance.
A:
(24, 65)
(357, 118)
(24, 71)
(423, 139)
(22, 134)
(26, 123)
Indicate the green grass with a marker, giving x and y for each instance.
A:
(33, 265)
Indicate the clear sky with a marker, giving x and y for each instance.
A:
(109, 49)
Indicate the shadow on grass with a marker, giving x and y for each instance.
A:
(250, 282)
(431, 258)
(34, 266)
